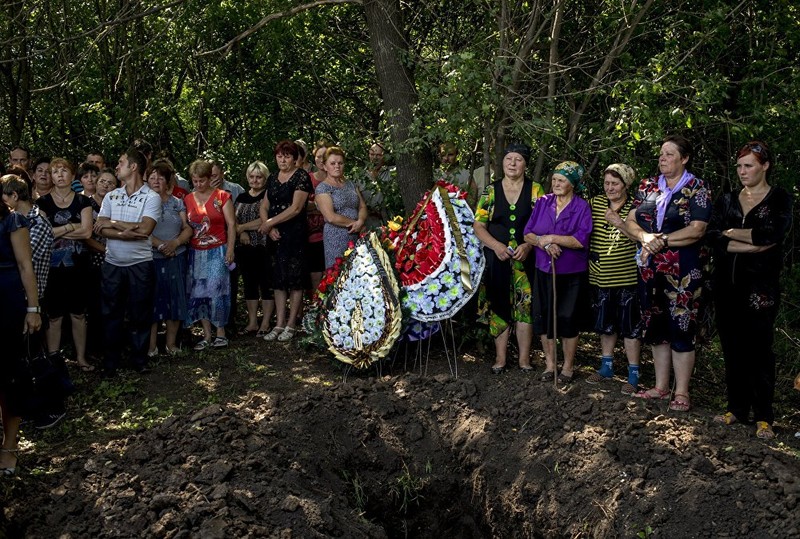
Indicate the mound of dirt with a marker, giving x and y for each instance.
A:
(414, 456)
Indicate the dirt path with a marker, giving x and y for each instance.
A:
(269, 441)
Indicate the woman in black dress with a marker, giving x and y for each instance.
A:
(283, 218)
(747, 231)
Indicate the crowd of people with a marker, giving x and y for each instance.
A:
(118, 253)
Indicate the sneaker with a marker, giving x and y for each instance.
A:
(49, 420)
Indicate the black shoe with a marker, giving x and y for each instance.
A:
(499, 370)
(49, 420)
(143, 369)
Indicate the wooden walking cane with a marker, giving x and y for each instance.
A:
(555, 319)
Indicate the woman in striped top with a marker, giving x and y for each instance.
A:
(612, 276)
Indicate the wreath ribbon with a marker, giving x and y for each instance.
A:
(462, 253)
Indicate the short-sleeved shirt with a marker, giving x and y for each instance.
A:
(168, 227)
(612, 261)
(65, 251)
(11, 223)
(119, 206)
(247, 209)
(574, 220)
(207, 221)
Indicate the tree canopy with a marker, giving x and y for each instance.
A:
(593, 80)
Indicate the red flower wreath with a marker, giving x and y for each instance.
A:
(418, 253)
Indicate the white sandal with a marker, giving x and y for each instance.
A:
(287, 334)
(273, 334)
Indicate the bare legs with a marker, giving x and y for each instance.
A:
(78, 337)
(607, 344)
(569, 347)
(681, 362)
(524, 338)
(8, 457)
(267, 307)
(295, 298)
(171, 337)
(207, 330)
(633, 350)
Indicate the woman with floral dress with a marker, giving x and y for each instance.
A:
(671, 213)
(503, 210)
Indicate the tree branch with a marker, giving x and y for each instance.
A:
(225, 49)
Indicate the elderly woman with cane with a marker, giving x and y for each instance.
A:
(559, 229)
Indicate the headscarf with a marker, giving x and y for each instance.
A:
(625, 172)
(571, 171)
(519, 148)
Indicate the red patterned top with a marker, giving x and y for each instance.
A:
(207, 221)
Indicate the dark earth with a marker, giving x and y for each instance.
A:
(271, 440)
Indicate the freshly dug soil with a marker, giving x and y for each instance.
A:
(301, 452)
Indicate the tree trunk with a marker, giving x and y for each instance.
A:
(396, 81)
(15, 73)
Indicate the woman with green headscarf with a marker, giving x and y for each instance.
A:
(559, 230)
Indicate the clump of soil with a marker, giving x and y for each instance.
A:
(405, 455)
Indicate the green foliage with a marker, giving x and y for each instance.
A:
(407, 489)
(721, 73)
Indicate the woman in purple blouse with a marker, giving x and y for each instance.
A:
(559, 229)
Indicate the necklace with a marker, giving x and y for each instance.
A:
(62, 198)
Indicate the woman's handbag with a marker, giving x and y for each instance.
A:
(37, 379)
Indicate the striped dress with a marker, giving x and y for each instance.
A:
(612, 261)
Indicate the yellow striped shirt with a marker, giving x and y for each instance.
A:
(612, 260)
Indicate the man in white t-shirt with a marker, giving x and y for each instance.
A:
(127, 218)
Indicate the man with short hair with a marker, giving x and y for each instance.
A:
(451, 172)
(19, 157)
(96, 159)
(127, 218)
(379, 188)
(218, 181)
